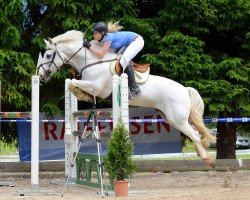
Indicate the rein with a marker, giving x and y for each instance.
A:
(72, 55)
(96, 63)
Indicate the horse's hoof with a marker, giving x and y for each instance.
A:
(210, 162)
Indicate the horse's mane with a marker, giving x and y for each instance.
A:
(69, 36)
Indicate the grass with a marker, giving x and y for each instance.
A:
(190, 148)
(243, 156)
(7, 149)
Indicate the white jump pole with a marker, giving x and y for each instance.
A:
(124, 98)
(120, 100)
(34, 190)
(116, 100)
(71, 105)
(35, 133)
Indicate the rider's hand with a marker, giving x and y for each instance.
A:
(86, 44)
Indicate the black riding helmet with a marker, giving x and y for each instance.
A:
(100, 27)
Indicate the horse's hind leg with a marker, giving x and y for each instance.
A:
(194, 135)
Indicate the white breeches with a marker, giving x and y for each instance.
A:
(131, 51)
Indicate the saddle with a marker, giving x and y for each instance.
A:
(141, 70)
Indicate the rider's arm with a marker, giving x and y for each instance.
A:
(100, 52)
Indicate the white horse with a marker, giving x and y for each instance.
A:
(181, 106)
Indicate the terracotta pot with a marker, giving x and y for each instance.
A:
(121, 188)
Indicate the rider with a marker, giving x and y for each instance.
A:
(129, 43)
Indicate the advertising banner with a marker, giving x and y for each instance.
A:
(154, 137)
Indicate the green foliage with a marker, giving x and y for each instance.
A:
(229, 88)
(246, 45)
(193, 15)
(180, 57)
(118, 161)
(10, 22)
(15, 72)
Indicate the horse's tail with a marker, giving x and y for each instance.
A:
(196, 117)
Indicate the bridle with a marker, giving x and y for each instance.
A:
(49, 71)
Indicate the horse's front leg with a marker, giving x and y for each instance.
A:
(83, 90)
(80, 94)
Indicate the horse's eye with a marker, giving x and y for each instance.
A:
(48, 56)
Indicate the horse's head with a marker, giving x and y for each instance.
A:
(55, 53)
(51, 61)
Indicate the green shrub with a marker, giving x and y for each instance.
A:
(118, 161)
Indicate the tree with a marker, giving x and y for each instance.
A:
(16, 66)
(119, 161)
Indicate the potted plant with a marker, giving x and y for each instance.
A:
(118, 160)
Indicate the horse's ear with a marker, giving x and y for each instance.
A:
(46, 42)
(50, 41)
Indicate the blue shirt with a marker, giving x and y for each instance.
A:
(119, 39)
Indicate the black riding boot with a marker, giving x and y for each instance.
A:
(134, 89)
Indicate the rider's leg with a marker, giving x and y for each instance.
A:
(131, 51)
(134, 89)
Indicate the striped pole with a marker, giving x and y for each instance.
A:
(15, 115)
(236, 119)
(207, 120)
(82, 113)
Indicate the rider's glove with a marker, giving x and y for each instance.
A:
(86, 44)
